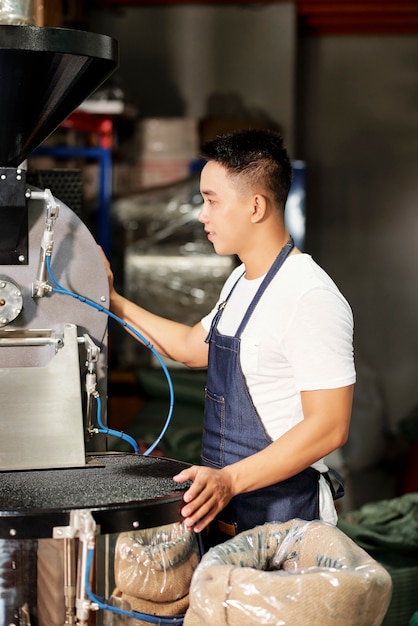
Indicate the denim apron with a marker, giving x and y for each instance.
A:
(233, 430)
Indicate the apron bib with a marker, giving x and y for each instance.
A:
(233, 430)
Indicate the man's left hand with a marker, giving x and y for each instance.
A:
(208, 495)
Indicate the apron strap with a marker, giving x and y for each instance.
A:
(278, 262)
(280, 259)
(335, 482)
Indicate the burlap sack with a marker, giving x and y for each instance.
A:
(156, 564)
(299, 572)
(154, 568)
(165, 609)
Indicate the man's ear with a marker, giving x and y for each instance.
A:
(259, 208)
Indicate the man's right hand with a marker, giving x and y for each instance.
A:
(109, 272)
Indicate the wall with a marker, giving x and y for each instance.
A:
(172, 58)
(359, 134)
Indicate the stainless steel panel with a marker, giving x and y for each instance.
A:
(44, 410)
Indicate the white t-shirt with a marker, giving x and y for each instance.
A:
(299, 338)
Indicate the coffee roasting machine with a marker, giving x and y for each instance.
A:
(59, 487)
(45, 74)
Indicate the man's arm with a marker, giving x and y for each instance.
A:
(182, 343)
(323, 429)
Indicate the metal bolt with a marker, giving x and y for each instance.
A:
(3, 176)
(21, 258)
(12, 532)
(102, 298)
(3, 320)
(2, 284)
(135, 524)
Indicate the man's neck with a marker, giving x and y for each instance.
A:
(260, 258)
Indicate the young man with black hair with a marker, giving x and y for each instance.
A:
(278, 347)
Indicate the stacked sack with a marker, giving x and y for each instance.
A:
(154, 568)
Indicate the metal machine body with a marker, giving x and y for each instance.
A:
(42, 349)
(44, 408)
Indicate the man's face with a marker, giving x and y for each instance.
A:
(226, 210)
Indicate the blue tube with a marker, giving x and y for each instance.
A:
(104, 604)
(109, 431)
(59, 289)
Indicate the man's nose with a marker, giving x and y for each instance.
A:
(202, 217)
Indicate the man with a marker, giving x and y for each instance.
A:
(278, 347)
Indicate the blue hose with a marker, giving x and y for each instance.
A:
(59, 289)
(103, 604)
(109, 431)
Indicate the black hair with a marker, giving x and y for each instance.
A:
(257, 156)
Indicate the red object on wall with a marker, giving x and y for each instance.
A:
(102, 125)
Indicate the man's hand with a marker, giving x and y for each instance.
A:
(208, 495)
(108, 271)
